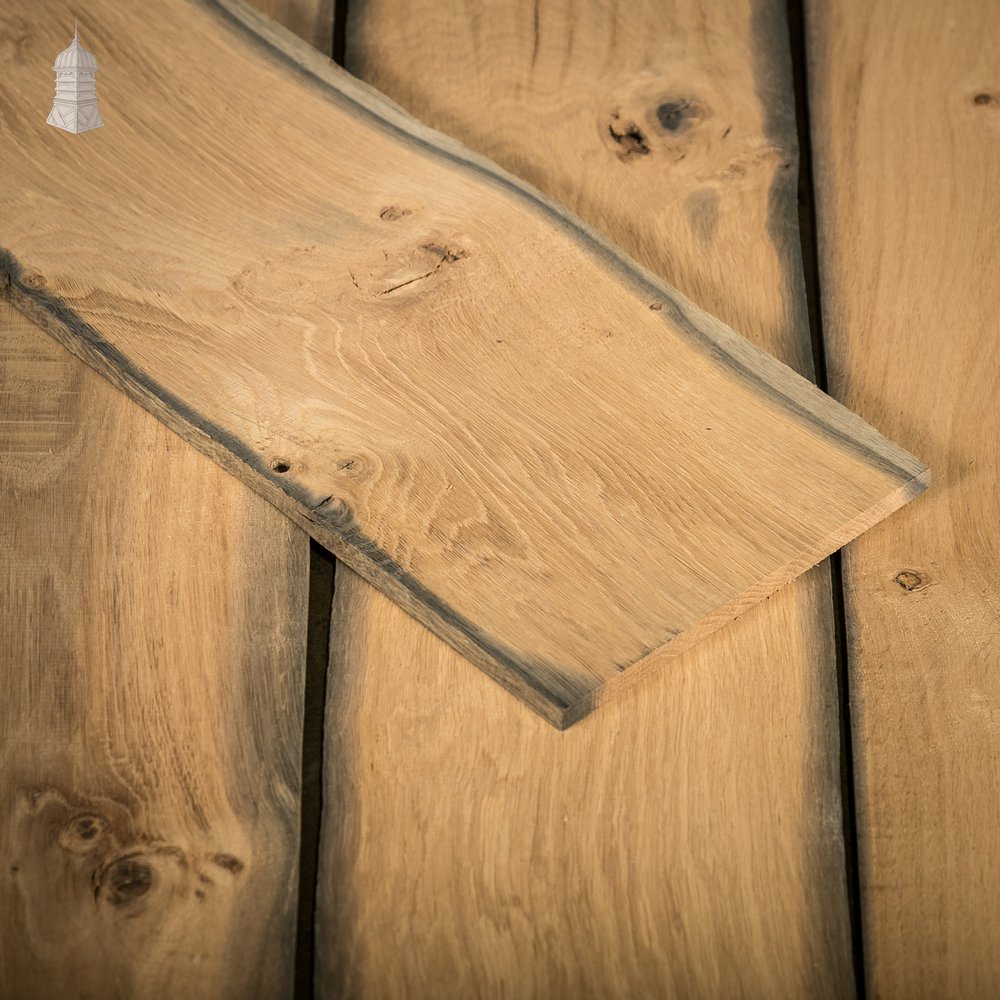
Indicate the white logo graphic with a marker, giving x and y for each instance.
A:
(75, 105)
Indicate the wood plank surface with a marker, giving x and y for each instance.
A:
(426, 364)
(687, 839)
(152, 627)
(906, 131)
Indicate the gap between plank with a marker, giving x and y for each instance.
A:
(321, 582)
(338, 43)
(810, 266)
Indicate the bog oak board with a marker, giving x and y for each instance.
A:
(686, 840)
(906, 129)
(546, 454)
(152, 629)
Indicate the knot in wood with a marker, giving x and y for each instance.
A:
(83, 832)
(912, 579)
(127, 880)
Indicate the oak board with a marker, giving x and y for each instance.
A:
(152, 645)
(551, 458)
(906, 132)
(686, 840)
(173, 932)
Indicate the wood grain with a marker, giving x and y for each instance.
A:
(906, 129)
(425, 363)
(153, 635)
(686, 840)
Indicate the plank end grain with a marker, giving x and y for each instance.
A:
(453, 409)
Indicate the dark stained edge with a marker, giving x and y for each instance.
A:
(848, 781)
(560, 688)
(289, 50)
(543, 686)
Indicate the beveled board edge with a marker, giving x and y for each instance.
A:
(557, 696)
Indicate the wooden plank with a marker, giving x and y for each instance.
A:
(906, 122)
(686, 840)
(153, 635)
(447, 399)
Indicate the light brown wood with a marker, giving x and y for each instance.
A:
(906, 130)
(701, 195)
(426, 364)
(686, 840)
(152, 624)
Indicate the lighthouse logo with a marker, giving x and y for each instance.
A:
(75, 106)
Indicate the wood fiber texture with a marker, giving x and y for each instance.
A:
(906, 132)
(549, 457)
(151, 681)
(686, 840)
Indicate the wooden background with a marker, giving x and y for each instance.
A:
(691, 839)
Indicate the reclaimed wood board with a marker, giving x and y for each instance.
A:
(686, 840)
(151, 683)
(906, 131)
(550, 457)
